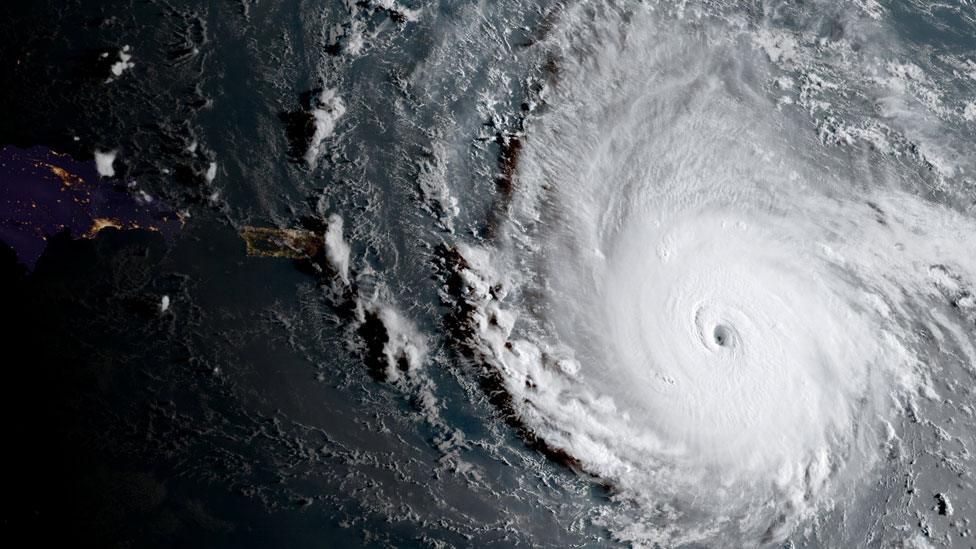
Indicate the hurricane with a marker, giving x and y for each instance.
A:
(700, 302)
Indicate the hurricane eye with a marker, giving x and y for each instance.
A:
(722, 336)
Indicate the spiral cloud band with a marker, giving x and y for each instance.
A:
(705, 304)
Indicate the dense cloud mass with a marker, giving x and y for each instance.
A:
(710, 307)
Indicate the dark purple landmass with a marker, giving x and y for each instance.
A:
(44, 193)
